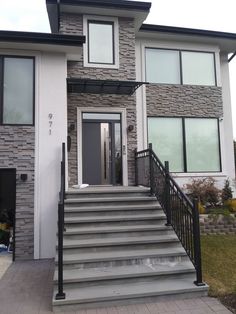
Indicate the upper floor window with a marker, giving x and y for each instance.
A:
(17, 90)
(101, 42)
(180, 67)
(101, 49)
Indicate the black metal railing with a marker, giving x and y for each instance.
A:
(60, 294)
(181, 213)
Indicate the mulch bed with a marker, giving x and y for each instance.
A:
(229, 301)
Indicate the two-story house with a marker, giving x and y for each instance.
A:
(106, 84)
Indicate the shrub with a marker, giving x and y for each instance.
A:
(227, 192)
(204, 190)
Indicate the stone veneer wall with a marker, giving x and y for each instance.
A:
(17, 151)
(73, 24)
(184, 101)
(218, 224)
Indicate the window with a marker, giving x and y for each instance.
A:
(17, 89)
(101, 42)
(180, 67)
(189, 144)
(102, 48)
(162, 66)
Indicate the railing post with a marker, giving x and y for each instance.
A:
(197, 245)
(151, 169)
(60, 295)
(136, 167)
(167, 194)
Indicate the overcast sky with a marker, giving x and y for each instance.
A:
(31, 15)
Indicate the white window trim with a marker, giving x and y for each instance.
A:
(122, 111)
(116, 41)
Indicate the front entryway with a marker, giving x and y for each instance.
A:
(7, 213)
(102, 148)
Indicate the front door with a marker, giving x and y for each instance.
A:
(102, 148)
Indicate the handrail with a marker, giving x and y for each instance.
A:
(60, 294)
(181, 213)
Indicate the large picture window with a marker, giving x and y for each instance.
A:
(166, 66)
(189, 144)
(17, 89)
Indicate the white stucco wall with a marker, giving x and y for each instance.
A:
(51, 69)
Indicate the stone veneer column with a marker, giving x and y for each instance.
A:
(17, 151)
(73, 24)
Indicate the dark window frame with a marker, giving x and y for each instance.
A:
(181, 65)
(184, 142)
(92, 21)
(2, 58)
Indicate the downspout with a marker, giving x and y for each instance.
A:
(231, 58)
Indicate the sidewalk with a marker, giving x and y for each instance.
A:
(26, 288)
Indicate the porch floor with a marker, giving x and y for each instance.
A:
(26, 288)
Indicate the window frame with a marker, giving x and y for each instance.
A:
(2, 58)
(113, 41)
(181, 64)
(101, 20)
(184, 142)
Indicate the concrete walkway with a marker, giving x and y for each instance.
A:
(26, 288)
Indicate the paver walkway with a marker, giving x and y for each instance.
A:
(5, 262)
(26, 288)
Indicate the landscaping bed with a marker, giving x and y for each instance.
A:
(219, 267)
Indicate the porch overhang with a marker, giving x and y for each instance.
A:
(90, 86)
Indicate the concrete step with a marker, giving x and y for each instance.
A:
(112, 210)
(116, 231)
(128, 273)
(107, 192)
(110, 201)
(158, 218)
(125, 257)
(101, 295)
(107, 244)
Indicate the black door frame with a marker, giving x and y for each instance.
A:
(13, 171)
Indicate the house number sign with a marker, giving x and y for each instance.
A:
(50, 122)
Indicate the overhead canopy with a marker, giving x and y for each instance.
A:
(90, 86)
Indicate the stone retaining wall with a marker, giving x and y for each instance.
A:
(217, 224)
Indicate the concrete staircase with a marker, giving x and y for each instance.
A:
(117, 250)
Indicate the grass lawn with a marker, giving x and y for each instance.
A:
(219, 266)
(219, 263)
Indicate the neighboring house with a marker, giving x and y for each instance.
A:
(111, 84)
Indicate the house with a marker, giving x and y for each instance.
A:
(106, 84)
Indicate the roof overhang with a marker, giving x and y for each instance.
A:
(90, 86)
(71, 45)
(225, 41)
(121, 8)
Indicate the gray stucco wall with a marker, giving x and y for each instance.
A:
(184, 101)
(73, 24)
(17, 151)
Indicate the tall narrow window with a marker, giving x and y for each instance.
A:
(18, 90)
(101, 42)
(202, 145)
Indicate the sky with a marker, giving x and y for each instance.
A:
(219, 15)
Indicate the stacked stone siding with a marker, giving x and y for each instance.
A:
(17, 151)
(184, 101)
(73, 24)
